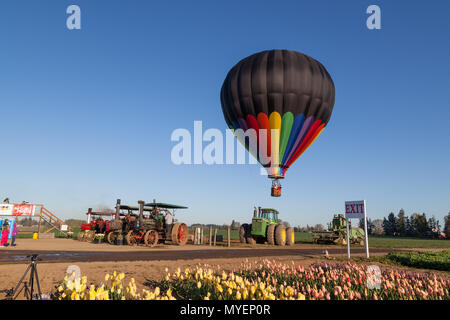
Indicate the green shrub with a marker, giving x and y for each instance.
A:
(437, 260)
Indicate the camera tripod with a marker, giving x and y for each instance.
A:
(28, 286)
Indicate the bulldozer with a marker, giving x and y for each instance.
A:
(337, 233)
(266, 227)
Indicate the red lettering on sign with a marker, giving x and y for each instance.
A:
(23, 210)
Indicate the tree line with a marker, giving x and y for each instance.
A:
(415, 225)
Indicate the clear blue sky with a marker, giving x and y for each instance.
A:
(86, 115)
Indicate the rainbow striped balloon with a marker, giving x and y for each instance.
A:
(286, 97)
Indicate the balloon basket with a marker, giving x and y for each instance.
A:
(275, 192)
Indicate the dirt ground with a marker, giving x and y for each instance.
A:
(51, 274)
(75, 245)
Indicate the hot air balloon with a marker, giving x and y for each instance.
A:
(287, 97)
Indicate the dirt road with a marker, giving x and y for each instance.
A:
(64, 250)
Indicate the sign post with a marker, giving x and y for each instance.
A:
(356, 210)
(348, 237)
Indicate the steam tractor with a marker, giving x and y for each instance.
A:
(266, 227)
(148, 226)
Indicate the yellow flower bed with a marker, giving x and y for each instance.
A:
(112, 289)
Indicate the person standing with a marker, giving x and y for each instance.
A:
(14, 234)
(5, 233)
(168, 219)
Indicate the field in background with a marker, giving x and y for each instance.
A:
(27, 232)
(300, 237)
(374, 241)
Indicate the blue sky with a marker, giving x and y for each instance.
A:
(87, 115)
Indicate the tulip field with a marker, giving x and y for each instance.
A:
(267, 280)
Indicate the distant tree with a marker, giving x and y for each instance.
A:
(318, 228)
(361, 223)
(447, 226)
(419, 225)
(377, 225)
(408, 227)
(74, 223)
(235, 225)
(413, 225)
(104, 209)
(370, 225)
(27, 222)
(286, 224)
(401, 223)
(434, 227)
(390, 225)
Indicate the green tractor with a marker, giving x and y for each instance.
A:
(337, 233)
(266, 227)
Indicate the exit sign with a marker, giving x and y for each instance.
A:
(355, 209)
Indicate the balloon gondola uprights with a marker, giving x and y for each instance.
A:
(286, 97)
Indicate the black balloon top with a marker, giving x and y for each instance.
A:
(277, 80)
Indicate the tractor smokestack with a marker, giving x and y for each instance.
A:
(89, 215)
(141, 212)
(117, 217)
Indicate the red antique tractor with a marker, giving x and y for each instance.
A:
(96, 225)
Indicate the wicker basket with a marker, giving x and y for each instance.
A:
(275, 192)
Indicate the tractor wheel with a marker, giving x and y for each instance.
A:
(89, 236)
(131, 238)
(80, 236)
(151, 238)
(280, 235)
(180, 233)
(290, 237)
(111, 237)
(271, 234)
(243, 233)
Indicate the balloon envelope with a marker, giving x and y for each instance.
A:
(286, 97)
